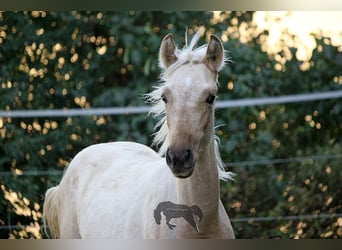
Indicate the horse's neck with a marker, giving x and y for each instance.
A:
(202, 188)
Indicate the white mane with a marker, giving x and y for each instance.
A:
(187, 55)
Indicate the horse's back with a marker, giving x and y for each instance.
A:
(116, 158)
(98, 154)
(103, 182)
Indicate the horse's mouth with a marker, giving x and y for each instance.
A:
(181, 162)
(182, 172)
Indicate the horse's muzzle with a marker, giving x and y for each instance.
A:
(181, 162)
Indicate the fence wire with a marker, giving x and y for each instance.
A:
(239, 164)
(233, 220)
(145, 109)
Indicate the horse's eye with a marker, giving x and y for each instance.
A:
(211, 99)
(163, 97)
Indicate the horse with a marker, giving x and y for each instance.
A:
(172, 210)
(115, 189)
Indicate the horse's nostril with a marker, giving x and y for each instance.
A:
(187, 155)
(169, 157)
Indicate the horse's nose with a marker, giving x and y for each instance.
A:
(181, 162)
(178, 157)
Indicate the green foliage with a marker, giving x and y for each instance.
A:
(56, 60)
(283, 131)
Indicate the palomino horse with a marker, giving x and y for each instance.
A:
(121, 190)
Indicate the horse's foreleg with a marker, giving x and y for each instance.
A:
(171, 226)
(190, 219)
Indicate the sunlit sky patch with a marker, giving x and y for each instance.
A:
(301, 24)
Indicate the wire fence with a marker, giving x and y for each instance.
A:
(233, 220)
(238, 164)
(219, 105)
(144, 109)
(250, 220)
(291, 217)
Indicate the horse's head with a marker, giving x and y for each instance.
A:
(189, 96)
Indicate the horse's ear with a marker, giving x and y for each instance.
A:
(167, 52)
(214, 56)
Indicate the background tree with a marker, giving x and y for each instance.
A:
(63, 60)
